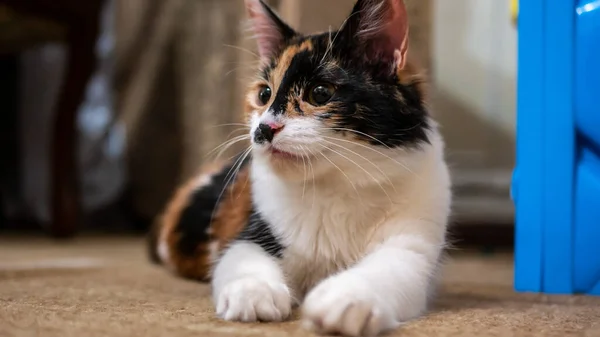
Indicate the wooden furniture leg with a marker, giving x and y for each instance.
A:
(64, 156)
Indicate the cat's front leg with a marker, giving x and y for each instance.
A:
(387, 288)
(248, 285)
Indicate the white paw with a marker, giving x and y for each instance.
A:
(251, 299)
(346, 306)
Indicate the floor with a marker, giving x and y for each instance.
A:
(106, 287)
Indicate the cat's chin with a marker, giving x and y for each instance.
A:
(277, 154)
(281, 156)
(288, 165)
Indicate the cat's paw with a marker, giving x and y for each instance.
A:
(347, 306)
(251, 299)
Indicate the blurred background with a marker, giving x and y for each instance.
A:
(107, 105)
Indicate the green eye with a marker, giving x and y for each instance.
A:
(264, 95)
(320, 94)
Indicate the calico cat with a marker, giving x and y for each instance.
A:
(340, 204)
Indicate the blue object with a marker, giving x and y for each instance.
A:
(556, 184)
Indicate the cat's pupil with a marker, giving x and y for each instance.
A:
(321, 94)
(264, 95)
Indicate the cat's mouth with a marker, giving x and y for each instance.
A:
(281, 154)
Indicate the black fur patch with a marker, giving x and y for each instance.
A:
(196, 217)
(259, 232)
(369, 102)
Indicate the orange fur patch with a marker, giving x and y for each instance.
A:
(232, 213)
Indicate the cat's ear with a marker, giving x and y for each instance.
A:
(269, 30)
(380, 30)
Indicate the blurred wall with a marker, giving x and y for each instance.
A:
(474, 57)
(178, 89)
(315, 15)
(474, 82)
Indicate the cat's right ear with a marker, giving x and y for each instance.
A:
(270, 31)
(379, 29)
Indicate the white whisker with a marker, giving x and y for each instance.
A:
(345, 175)
(362, 168)
(360, 133)
(304, 178)
(226, 145)
(228, 178)
(229, 124)
(367, 160)
(308, 154)
(242, 49)
(376, 151)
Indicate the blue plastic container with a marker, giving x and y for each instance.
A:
(556, 184)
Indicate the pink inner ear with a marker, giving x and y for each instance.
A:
(397, 30)
(384, 26)
(267, 34)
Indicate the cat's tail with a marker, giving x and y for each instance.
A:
(202, 217)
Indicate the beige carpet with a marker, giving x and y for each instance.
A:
(105, 287)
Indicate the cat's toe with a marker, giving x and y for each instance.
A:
(341, 307)
(252, 299)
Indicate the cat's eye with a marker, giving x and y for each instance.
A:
(264, 95)
(320, 94)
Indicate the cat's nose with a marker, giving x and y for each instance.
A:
(266, 131)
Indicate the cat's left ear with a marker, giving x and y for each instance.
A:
(270, 31)
(380, 29)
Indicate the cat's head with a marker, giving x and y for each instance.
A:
(336, 96)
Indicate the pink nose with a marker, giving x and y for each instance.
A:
(276, 127)
(266, 132)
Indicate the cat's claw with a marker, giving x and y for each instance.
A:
(252, 299)
(346, 307)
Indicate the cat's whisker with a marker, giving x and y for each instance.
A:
(228, 178)
(304, 172)
(245, 129)
(376, 151)
(226, 142)
(226, 145)
(247, 63)
(309, 154)
(239, 162)
(362, 134)
(343, 173)
(234, 70)
(224, 149)
(359, 133)
(245, 184)
(367, 160)
(330, 47)
(242, 49)
(215, 153)
(229, 124)
(360, 167)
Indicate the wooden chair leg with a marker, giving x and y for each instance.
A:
(66, 211)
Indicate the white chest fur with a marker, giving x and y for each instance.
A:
(327, 226)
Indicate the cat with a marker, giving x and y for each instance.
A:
(340, 204)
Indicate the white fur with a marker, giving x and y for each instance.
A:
(363, 230)
(253, 289)
(163, 253)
